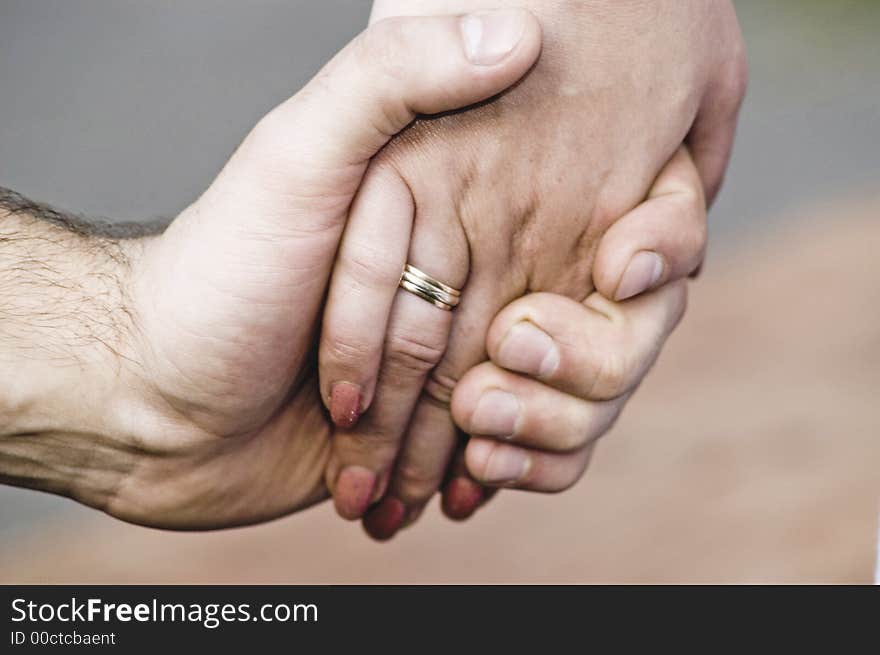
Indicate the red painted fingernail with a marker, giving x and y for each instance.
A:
(353, 491)
(461, 497)
(345, 404)
(384, 520)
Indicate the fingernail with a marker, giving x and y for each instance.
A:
(496, 413)
(353, 492)
(385, 519)
(506, 466)
(526, 348)
(642, 273)
(461, 497)
(345, 404)
(490, 36)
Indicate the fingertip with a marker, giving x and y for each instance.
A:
(661, 239)
(385, 520)
(463, 59)
(469, 390)
(461, 406)
(353, 492)
(476, 456)
(490, 37)
(644, 271)
(364, 282)
(345, 404)
(461, 498)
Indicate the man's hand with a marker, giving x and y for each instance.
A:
(169, 380)
(513, 197)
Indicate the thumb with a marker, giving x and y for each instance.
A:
(257, 248)
(316, 145)
(661, 240)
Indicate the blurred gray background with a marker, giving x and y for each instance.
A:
(126, 109)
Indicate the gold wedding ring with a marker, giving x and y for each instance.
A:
(428, 288)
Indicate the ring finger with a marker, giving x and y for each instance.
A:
(415, 341)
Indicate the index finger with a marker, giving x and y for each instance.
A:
(597, 350)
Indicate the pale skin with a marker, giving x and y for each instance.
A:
(169, 380)
(619, 88)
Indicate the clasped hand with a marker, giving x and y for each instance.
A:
(272, 303)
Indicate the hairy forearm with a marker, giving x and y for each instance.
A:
(65, 330)
(61, 284)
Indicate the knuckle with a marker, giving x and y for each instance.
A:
(571, 439)
(738, 77)
(371, 268)
(269, 138)
(680, 304)
(674, 297)
(565, 430)
(602, 422)
(694, 208)
(564, 483)
(415, 485)
(412, 354)
(613, 377)
(372, 446)
(605, 213)
(346, 350)
(582, 426)
(699, 238)
(382, 43)
(694, 234)
(439, 388)
(571, 474)
(382, 49)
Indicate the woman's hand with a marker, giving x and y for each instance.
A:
(671, 222)
(203, 410)
(514, 197)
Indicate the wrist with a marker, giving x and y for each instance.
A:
(66, 352)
